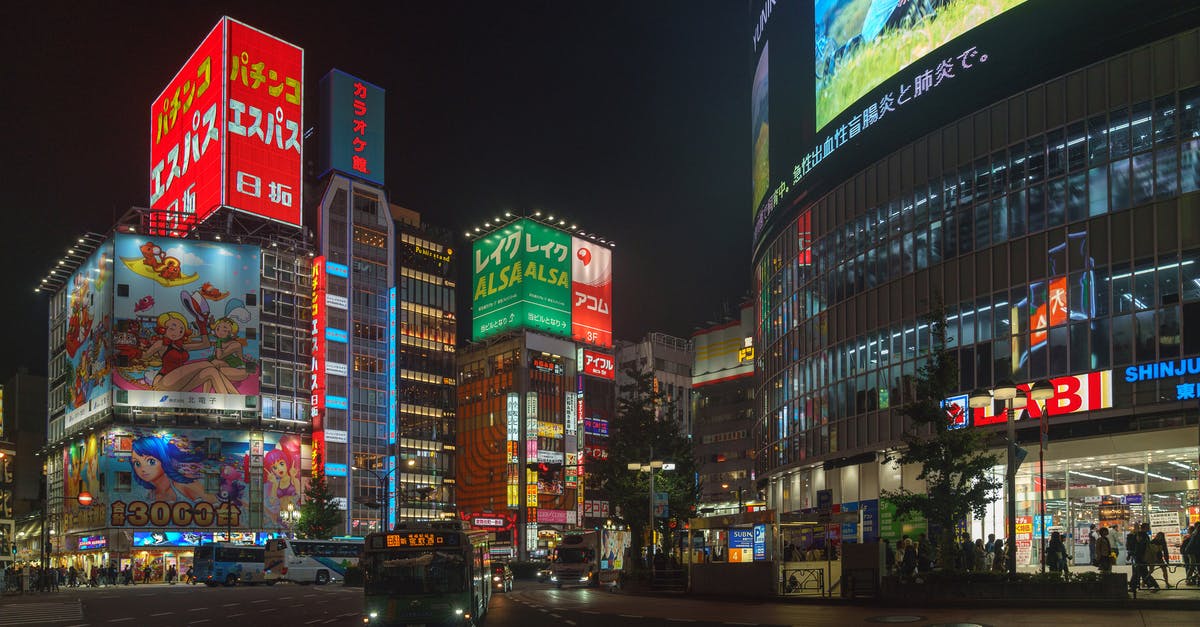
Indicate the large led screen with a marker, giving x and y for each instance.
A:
(185, 324)
(860, 43)
(89, 326)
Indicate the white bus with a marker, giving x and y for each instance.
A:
(310, 561)
(225, 563)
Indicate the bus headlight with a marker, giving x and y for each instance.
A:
(495, 579)
(374, 614)
(458, 611)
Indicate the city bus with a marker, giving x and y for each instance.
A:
(432, 573)
(229, 564)
(309, 561)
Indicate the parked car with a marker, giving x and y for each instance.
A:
(502, 577)
(543, 572)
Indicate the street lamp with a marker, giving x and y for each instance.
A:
(1041, 392)
(290, 517)
(650, 467)
(1013, 399)
(382, 478)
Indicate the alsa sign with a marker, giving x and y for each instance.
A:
(228, 131)
(598, 365)
(1072, 394)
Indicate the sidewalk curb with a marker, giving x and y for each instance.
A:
(1141, 603)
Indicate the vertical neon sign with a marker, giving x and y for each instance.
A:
(391, 365)
(317, 378)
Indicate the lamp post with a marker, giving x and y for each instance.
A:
(1014, 399)
(382, 478)
(1041, 392)
(290, 517)
(650, 467)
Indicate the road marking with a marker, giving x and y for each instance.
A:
(120, 620)
(284, 598)
(266, 610)
(197, 622)
(260, 600)
(543, 610)
(198, 609)
(591, 612)
(229, 604)
(315, 620)
(232, 615)
(681, 620)
(332, 620)
(555, 616)
(162, 613)
(630, 616)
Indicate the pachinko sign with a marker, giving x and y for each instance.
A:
(1072, 394)
(228, 131)
(186, 324)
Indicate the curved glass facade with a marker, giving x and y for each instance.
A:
(1060, 229)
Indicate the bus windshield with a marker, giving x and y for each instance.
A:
(415, 572)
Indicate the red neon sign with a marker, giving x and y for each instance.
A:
(1073, 394)
(228, 131)
(317, 378)
(591, 293)
(598, 365)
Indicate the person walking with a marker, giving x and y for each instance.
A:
(171, 574)
(1056, 554)
(967, 554)
(1139, 549)
(981, 556)
(908, 563)
(1104, 552)
(146, 574)
(1091, 542)
(1157, 554)
(1193, 551)
(998, 556)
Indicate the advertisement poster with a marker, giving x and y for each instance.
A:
(522, 278)
(760, 128)
(741, 545)
(1168, 523)
(870, 520)
(894, 528)
(88, 346)
(81, 474)
(197, 478)
(186, 324)
(860, 43)
(591, 300)
(1024, 539)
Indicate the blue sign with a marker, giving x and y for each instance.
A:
(958, 412)
(1039, 525)
(741, 538)
(824, 501)
(335, 335)
(336, 269)
(1162, 370)
(760, 542)
(92, 542)
(336, 402)
(870, 520)
(850, 529)
(335, 470)
(352, 127)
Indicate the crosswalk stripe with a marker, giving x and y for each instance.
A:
(40, 613)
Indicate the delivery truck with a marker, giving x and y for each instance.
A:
(590, 558)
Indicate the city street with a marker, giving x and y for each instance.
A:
(528, 604)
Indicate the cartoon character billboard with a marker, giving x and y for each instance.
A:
(199, 478)
(88, 347)
(81, 474)
(186, 324)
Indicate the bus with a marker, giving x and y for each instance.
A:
(434, 573)
(310, 561)
(228, 563)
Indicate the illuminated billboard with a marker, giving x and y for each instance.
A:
(185, 320)
(352, 127)
(198, 478)
(534, 276)
(725, 352)
(591, 301)
(861, 43)
(89, 327)
(228, 131)
(522, 278)
(760, 128)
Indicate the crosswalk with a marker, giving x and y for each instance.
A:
(40, 613)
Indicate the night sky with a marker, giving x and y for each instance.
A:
(629, 118)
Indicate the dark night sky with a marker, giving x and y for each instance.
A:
(629, 117)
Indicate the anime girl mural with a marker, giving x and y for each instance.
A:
(281, 478)
(167, 471)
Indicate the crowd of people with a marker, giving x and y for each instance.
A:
(30, 578)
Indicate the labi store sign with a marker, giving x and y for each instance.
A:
(1185, 390)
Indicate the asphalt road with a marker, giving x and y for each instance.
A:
(529, 604)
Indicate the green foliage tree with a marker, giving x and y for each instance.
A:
(646, 427)
(955, 465)
(320, 516)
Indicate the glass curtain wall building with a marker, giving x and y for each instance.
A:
(1059, 226)
(425, 366)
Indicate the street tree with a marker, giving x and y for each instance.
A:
(320, 516)
(647, 427)
(955, 465)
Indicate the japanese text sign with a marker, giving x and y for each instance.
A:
(228, 131)
(352, 126)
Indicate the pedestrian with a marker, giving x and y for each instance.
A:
(908, 561)
(924, 553)
(1157, 554)
(889, 557)
(191, 576)
(72, 574)
(128, 575)
(1193, 551)
(967, 557)
(991, 543)
(1139, 550)
(1056, 554)
(146, 574)
(1091, 542)
(998, 556)
(171, 574)
(1104, 552)
(981, 556)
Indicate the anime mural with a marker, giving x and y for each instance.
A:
(199, 479)
(186, 329)
(81, 474)
(88, 347)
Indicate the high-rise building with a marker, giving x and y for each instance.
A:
(669, 360)
(542, 330)
(426, 332)
(723, 414)
(22, 485)
(1035, 178)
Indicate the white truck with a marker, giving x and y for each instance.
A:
(590, 558)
